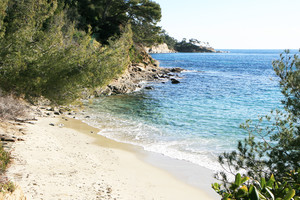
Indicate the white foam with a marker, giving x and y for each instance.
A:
(150, 139)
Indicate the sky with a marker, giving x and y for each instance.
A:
(234, 24)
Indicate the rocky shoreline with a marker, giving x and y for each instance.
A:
(135, 74)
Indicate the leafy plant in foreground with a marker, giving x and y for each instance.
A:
(244, 188)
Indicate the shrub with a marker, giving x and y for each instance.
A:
(4, 159)
(11, 108)
(244, 188)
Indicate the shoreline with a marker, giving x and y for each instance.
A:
(185, 171)
(74, 162)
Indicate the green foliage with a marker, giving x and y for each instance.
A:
(273, 145)
(46, 56)
(4, 159)
(288, 70)
(191, 46)
(170, 41)
(144, 16)
(136, 54)
(249, 189)
(108, 17)
(3, 7)
(7, 186)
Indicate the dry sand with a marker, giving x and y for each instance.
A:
(73, 162)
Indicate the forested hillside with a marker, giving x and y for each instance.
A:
(58, 48)
(192, 45)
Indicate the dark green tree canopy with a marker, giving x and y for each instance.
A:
(107, 17)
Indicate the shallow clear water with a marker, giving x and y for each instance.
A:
(200, 117)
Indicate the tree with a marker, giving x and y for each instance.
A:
(107, 17)
(43, 54)
(191, 46)
(3, 7)
(273, 146)
(144, 16)
(170, 41)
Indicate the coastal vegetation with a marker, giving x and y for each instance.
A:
(61, 48)
(5, 185)
(192, 45)
(269, 159)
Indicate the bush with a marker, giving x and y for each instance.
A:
(7, 186)
(11, 108)
(4, 159)
(244, 188)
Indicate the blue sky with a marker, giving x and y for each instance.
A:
(234, 24)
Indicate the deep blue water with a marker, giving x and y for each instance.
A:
(200, 117)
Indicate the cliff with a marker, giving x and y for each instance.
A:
(180, 47)
(160, 48)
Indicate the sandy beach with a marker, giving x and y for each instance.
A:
(66, 159)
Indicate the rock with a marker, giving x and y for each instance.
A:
(50, 109)
(7, 138)
(156, 77)
(176, 70)
(174, 81)
(149, 88)
(160, 48)
(147, 70)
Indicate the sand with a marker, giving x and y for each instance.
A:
(70, 161)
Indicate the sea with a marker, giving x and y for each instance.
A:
(199, 118)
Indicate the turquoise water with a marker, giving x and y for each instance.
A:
(200, 117)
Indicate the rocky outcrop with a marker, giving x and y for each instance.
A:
(160, 48)
(135, 75)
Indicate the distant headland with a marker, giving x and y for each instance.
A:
(171, 45)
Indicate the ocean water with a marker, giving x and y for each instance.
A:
(199, 118)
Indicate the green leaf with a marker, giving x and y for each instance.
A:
(262, 183)
(270, 193)
(271, 181)
(289, 195)
(226, 196)
(244, 179)
(242, 192)
(238, 181)
(296, 198)
(216, 187)
(254, 195)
